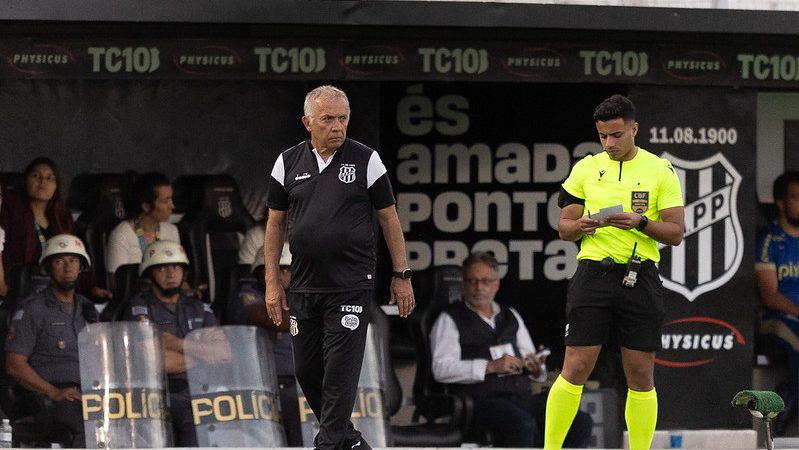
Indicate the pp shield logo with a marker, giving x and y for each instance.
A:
(713, 245)
(224, 207)
(347, 173)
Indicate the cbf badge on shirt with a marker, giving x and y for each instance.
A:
(640, 201)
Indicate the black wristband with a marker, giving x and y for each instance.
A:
(403, 275)
(643, 223)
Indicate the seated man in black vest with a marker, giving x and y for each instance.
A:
(483, 349)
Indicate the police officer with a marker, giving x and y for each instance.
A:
(247, 308)
(616, 289)
(42, 342)
(175, 315)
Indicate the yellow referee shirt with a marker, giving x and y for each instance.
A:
(645, 185)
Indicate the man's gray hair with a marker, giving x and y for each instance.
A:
(322, 91)
(486, 258)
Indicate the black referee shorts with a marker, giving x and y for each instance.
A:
(598, 305)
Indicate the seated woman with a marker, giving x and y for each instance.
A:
(150, 206)
(35, 213)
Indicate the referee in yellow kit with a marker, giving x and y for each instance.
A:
(616, 288)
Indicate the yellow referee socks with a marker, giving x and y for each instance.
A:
(562, 405)
(641, 415)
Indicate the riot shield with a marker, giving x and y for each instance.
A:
(122, 381)
(234, 389)
(368, 413)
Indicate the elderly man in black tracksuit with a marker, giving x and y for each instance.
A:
(327, 191)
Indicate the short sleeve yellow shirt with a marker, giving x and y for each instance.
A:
(646, 185)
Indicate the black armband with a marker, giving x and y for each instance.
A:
(566, 199)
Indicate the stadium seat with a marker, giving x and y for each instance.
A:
(431, 400)
(10, 181)
(446, 286)
(238, 276)
(20, 283)
(126, 284)
(440, 285)
(24, 280)
(421, 434)
(99, 197)
(212, 227)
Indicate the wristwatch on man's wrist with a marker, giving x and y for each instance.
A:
(643, 223)
(403, 275)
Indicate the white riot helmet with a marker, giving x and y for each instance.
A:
(163, 252)
(65, 244)
(285, 257)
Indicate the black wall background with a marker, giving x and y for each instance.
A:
(709, 330)
(239, 126)
(175, 127)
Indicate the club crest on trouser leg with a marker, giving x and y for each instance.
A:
(293, 328)
(712, 248)
(350, 321)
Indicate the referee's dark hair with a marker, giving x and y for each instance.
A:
(614, 107)
(481, 257)
(780, 188)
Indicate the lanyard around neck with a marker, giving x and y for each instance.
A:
(40, 235)
(139, 229)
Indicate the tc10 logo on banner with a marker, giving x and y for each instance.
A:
(457, 60)
(290, 60)
(127, 59)
(617, 63)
